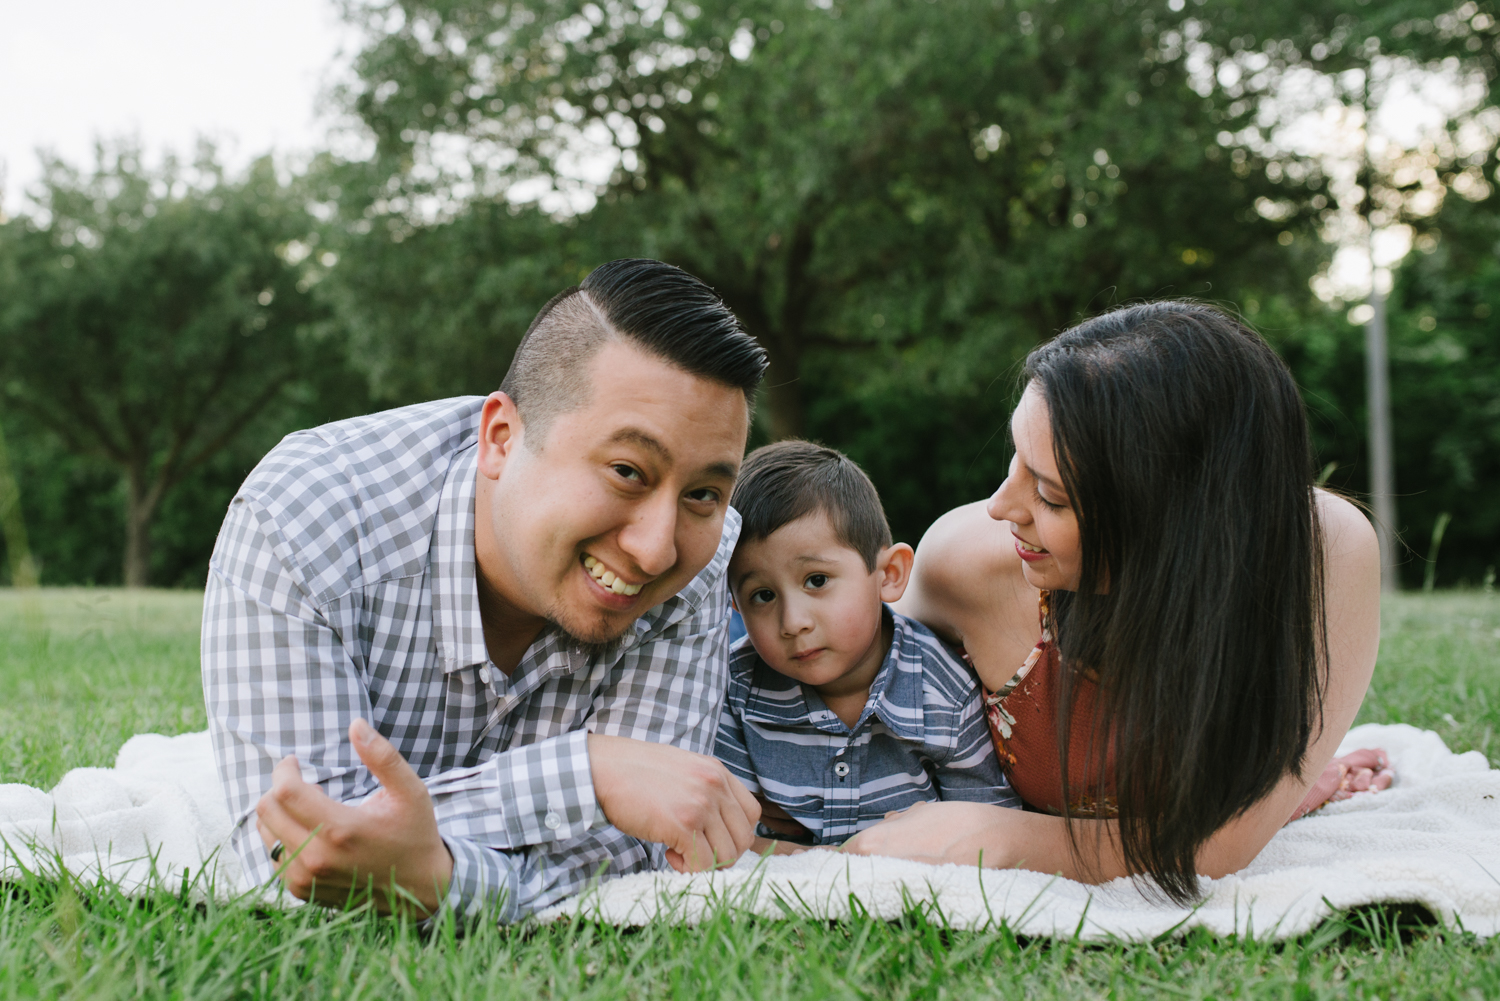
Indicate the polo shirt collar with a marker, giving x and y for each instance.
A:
(897, 695)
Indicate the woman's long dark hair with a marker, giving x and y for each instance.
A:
(1183, 444)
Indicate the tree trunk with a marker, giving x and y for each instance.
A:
(140, 508)
(784, 394)
(22, 566)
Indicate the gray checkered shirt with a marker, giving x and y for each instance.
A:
(343, 585)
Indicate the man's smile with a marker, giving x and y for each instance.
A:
(608, 579)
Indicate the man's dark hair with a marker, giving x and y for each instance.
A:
(791, 479)
(657, 307)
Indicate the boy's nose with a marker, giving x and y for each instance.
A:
(796, 620)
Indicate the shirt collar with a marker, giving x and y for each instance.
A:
(457, 626)
(896, 694)
(456, 623)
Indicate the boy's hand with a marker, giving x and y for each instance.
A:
(777, 820)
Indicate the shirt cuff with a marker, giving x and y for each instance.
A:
(482, 877)
(548, 789)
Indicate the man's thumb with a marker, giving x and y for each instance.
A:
(380, 756)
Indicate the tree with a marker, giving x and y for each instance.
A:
(147, 316)
(900, 199)
(934, 187)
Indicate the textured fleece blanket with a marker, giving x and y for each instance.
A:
(1432, 839)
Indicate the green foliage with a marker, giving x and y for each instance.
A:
(148, 318)
(437, 311)
(60, 939)
(899, 199)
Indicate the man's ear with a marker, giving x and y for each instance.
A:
(500, 432)
(894, 568)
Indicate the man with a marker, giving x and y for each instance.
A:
(472, 652)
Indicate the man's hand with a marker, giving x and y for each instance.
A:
(688, 802)
(387, 849)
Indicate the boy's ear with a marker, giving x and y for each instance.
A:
(894, 567)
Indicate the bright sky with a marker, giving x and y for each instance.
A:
(245, 72)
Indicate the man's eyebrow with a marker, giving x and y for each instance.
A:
(635, 436)
(653, 444)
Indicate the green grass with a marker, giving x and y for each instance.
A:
(82, 670)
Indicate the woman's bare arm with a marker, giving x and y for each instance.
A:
(966, 832)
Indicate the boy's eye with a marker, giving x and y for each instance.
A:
(761, 596)
(627, 471)
(817, 580)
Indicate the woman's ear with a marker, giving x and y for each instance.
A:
(893, 565)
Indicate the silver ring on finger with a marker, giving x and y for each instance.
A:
(276, 851)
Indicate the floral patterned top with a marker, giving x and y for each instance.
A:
(1023, 725)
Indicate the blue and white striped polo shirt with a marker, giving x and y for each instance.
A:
(921, 737)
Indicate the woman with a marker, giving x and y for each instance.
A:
(1201, 602)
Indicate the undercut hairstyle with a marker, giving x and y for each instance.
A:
(1183, 445)
(656, 307)
(792, 479)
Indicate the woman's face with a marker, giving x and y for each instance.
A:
(1033, 503)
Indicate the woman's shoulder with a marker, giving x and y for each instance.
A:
(1348, 535)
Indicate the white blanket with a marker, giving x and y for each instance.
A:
(1433, 839)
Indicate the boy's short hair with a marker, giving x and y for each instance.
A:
(791, 479)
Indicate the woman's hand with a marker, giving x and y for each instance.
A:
(1359, 771)
(938, 833)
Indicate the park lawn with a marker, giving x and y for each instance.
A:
(82, 670)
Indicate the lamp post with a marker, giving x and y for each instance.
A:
(1378, 404)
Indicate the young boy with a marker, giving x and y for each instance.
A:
(839, 710)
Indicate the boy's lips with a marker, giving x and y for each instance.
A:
(808, 654)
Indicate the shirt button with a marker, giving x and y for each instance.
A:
(841, 769)
(552, 820)
(484, 674)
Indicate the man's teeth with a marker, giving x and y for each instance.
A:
(608, 578)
